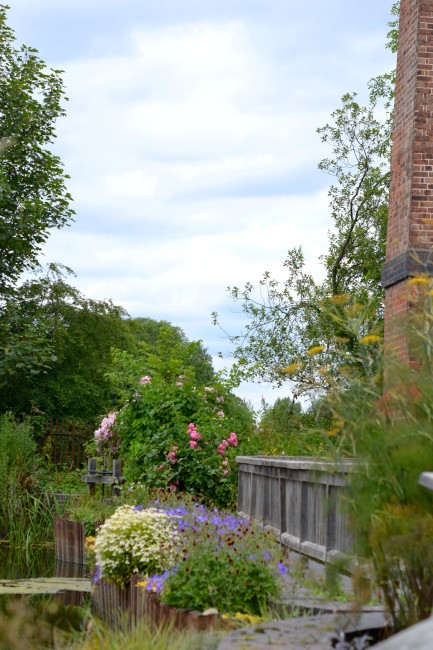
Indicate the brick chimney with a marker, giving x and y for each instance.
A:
(409, 247)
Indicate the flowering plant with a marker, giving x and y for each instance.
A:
(107, 438)
(222, 562)
(135, 540)
(175, 434)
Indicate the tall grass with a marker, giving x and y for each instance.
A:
(25, 517)
(142, 637)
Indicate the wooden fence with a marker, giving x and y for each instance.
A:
(64, 443)
(301, 499)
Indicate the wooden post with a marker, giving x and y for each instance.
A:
(91, 469)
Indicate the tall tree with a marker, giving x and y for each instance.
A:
(33, 194)
(288, 319)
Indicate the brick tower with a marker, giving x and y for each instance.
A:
(409, 247)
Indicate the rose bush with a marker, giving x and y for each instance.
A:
(186, 437)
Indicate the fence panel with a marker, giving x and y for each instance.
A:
(64, 442)
(301, 499)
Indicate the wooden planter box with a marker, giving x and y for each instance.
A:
(69, 540)
(116, 605)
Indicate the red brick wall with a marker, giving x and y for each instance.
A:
(410, 226)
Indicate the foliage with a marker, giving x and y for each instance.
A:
(33, 196)
(142, 637)
(175, 433)
(223, 562)
(161, 349)
(90, 511)
(284, 429)
(390, 433)
(24, 518)
(134, 540)
(80, 333)
(285, 319)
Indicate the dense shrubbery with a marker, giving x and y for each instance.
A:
(176, 434)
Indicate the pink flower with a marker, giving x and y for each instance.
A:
(172, 457)
(174, 448)
(233, 439)
(220, 414)
(221, 449)
(145, 380)
(226, 471)
(173, 487)
(225, 443)
(160, 466)
(195, 435)
(225, 462)
(219, 399)
(179, 383)
(192, 443)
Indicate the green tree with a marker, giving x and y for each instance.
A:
(33, 195)
(78, 331)
(161, 348)
(287, 319)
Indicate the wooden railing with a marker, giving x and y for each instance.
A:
(301, 499)
(64, 443)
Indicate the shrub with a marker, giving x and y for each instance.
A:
(134, 540)
(175, 434)
(221, 562)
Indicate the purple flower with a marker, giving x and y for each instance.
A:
(282, 570)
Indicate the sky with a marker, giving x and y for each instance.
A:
(190, 140)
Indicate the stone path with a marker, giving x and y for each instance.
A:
(316, 620)
(301, 633)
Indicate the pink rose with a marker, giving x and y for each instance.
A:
(221, 449)
(233, 439)
(226, 471)
(192, 443)
(220, 414)
(145, 380)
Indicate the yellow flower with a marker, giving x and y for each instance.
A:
(317, 349)
(293, 368)
(90, 543)
(333, 432)
(341, 339)
(340, 299)
(418, 280)
(352, 310)
(370, 338)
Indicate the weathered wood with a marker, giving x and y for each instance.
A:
(301, 498)
(103, 477)
(116, 605)
(69, 541)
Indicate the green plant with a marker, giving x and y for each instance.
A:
(24, 514)
(176, 434)
(390, 433)
(134, 540)
(222, 562)
(142, 637)
(91, 511)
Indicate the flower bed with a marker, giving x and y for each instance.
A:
(196, 564)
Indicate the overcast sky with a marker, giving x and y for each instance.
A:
(190, 139)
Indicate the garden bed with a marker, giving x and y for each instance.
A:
(114, 605)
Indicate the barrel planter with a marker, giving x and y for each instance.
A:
(69, 540)
(131, 604)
